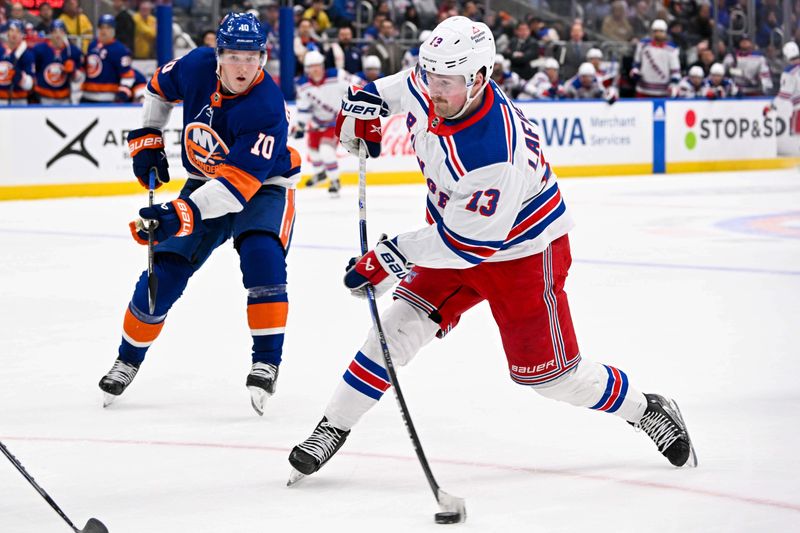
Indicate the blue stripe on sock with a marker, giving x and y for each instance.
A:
(372, 366)
(360, 386)
(622, 392)
(609, 388)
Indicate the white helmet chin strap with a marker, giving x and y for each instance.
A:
(469, 101)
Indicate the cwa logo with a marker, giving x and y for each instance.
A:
(204, 148)
(730, 128)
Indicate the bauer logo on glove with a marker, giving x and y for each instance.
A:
(380, 267)
(146, 147)
(177, 218)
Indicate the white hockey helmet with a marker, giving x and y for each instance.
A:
(791, 51)
(499, 59)
(459, 46)
(586, 69)
(312, 58)
(658, 25)
(717, 69)
(697, 72)
(551, 62)
(594, 53)
(371, 62)
(423, 35)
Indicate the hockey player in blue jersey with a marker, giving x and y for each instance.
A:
(497, 232)
(109, 76)
(16, 66)
(58, 63)
(241, 185)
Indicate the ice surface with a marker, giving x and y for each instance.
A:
(690, 283)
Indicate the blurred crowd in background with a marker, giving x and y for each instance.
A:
(546, 49)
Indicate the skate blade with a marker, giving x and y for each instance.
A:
(108, 399)
(294, 477)
(258, 398)
(692, 461)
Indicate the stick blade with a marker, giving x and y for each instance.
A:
(452, 504)
(94, 526)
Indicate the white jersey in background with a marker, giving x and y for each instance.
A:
(658, 67)
(573, 88)
(540, 87)
(750, 72)
(491, 163)
(686, 89)
(790, 86)
(318, 103)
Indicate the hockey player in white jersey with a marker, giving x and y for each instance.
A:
(691, 85)
(319, 93)
(585, 85)
(606, 70)
(497, 231)
(717, 85)
(656, 65)
(788, 97)
(545, 84)
(507, 80)
(749, 69)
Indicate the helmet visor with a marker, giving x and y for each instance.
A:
(240, 57)
(442, 85)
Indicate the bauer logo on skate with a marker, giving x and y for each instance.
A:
(204, 149)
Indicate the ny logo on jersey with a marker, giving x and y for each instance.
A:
(204, 148)
(70, 149)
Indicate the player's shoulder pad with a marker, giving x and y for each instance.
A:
(301, 80)
(646, 40)
(331, 73)
(575, 82)
(791, 68)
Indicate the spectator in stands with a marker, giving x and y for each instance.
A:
(304, 40)
(387, 49)
(701, 26)
(641, 19)
(545, 84)
(372, 69)
(691, 86)
(574, 51)
(718, 85)
(209, 39)
(318, 17)
(412, 15)
(45, 19)
(371, 32)
(18, 12)
(144, 40)
(768, 30)
(77, 23)
(595, 12)
(677, 35)
(471, 11)
(343, 12)
(522, 49)
(343, 54)
(705, 57)
(748, 68)
(125, 24)
(616, 25)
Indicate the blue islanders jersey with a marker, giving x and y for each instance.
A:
(237, 143)
(492, 195)
(54, 69)
(16, 72)
(108, 66)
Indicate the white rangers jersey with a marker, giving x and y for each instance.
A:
(790, 86)
(540, 87)
(318, 103)
(573, 88)
(492, 195)
(509, 81)
(688, 90)
(658, 66)
(750, 72)
(725, 89)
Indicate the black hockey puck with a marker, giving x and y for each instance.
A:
(448, 517)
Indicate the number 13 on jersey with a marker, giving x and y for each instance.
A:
(487, 210)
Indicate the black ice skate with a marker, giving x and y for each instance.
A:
(334, 187)
(309, 456)
(662, 421)
(261, 382)
(316, 178)
(117, 380)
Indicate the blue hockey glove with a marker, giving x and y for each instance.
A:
(177, 218)
(381, 267)
(146, 146)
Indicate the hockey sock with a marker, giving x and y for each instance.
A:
(140, 328)
(264, 271)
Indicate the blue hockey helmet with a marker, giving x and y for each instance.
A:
(16, 23)
(241, 31)
(107, 20)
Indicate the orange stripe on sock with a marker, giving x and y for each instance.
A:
(267, 315)
(140, 331)
(288, 218)
(245, 183)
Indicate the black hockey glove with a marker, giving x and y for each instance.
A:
(146, 146)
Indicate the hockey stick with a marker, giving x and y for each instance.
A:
(453, 508)
(152, 279)
(92, 526)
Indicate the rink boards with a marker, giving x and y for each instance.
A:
(52, 152)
